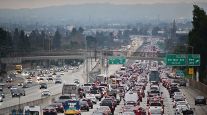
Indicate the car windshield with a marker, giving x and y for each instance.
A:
(94, 91)
(156, 111)
(83, 102)
(106, 103)
(181, 103)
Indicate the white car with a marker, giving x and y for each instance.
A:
(46, 93)
(181, 103)
(29, 81)
(62, 73)
(92, 97)
(180, 109)
(1, 99)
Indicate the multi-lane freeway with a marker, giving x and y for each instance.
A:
(139, 67)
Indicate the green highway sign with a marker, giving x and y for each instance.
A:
(176, 59)
(116, 60)
(193, 60)
(183, 59)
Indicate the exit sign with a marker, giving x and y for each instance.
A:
(193, 60)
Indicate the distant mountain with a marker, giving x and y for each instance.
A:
(98, 14)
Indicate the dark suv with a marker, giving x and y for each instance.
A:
(43, 86)
(200, 100)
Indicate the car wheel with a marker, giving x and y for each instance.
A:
(99, 99)
(91, 107)
(87, 109)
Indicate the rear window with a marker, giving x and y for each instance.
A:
(106, 103)
(155, 104)
(94, 92)
(64, 97)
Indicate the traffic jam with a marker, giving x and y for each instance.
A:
(141, 88)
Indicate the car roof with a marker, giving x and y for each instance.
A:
(200, 97)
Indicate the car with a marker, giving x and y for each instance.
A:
(91, 97)
(183, 82)
(200, 100)
(40, 78)
(28, 77)
(181, 103)
(155, 111)
(128, 113)
(108, 103)
(45, 93)
(13, 87)
(50, 79)
(15, 93)
(1, 98)
(29, 81)
(2, 94)
(9, 79)
(58, 106)
(49, 110)
(84, 105)
(20, 84)
(58, 81)
(90, 103)
(21, 91)
(131, 103)
(61, 72)
(63, 98)
(105, 109)
(76, 81)
(43, 86)
(156, 106)
(180, 109)
(97, 93)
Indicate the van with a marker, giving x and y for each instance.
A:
(32, 110)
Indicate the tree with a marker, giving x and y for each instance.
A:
(81, 30)
(5, 42)
(198, 37)
(15, 38)
(73, 32)
(155, 31)
(57, 40)
(35, 40)
(23, 43)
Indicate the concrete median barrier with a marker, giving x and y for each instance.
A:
(39, 102)
(198, 85)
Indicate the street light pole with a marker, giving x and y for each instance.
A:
(86, 59)
(19, 102)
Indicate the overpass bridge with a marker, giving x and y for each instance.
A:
(81, 54)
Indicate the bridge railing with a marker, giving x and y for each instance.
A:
(81, 52)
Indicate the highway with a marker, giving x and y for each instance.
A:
(34, 93)
(69, 76)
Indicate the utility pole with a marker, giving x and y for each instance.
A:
(86, 60)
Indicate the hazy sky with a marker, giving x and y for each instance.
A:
(15, 4)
